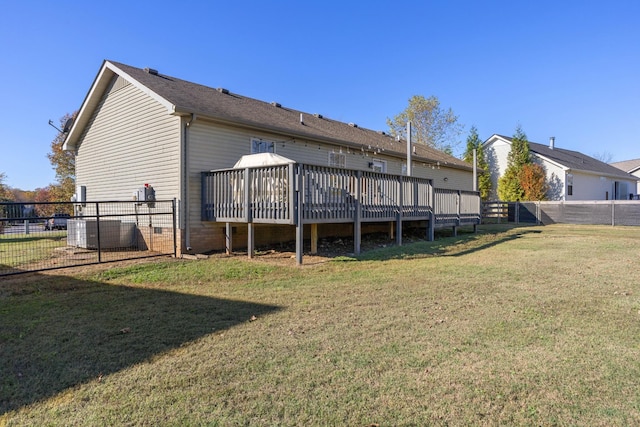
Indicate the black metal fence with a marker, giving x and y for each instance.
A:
(43, 236)
(588, 212)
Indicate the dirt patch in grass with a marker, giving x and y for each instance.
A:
(336, 248)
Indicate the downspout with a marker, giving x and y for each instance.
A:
(185, 176)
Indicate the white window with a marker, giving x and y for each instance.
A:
(262, 146)
(379, 166)
(337, 160)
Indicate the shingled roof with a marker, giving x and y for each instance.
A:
(574, 160)
(183, 97)
(629, 166)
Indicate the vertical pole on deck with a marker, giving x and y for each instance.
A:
(399, 213)
(409, 150)
(357, 224)
(431, 235)
(299, 215)
(475, 169)
(458, 206)
(249, 213)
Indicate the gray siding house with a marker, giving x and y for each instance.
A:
(137, 126)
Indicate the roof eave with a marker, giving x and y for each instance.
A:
(607, 175)
(181, 111)
(92, 99)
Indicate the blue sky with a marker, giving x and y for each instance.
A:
(569, 69)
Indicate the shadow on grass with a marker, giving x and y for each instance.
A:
(446, 244)
(58, 332)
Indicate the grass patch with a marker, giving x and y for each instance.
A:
(21, 249)
(510, 326)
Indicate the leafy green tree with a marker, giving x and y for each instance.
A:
(509, 188)
(430, 123)
(523, 180)
(484, 178)
(519, 154)
(64, 163)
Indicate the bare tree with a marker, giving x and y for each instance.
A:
(431, 124)
(605, 157)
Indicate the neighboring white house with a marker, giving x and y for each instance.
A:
(139, 126)
(632, 167)
(571, 175)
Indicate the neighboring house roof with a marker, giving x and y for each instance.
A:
(181, 97)
(573, 160)
(629, 166)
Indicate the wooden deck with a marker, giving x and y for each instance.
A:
(298, 194)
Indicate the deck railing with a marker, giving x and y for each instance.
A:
(273, 194)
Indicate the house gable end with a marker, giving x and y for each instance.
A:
(104, 82)
(128, 140)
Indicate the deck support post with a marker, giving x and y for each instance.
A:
(392, 230)
(357, 220)
(431, 228)
(399, 229)
(314, 238)
(228, 238)
(250, 240)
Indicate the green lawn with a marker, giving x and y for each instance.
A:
(29, 249)
(510, 326)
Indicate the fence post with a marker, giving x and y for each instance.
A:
(613, 212)
(175, 240)
(98, 231)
